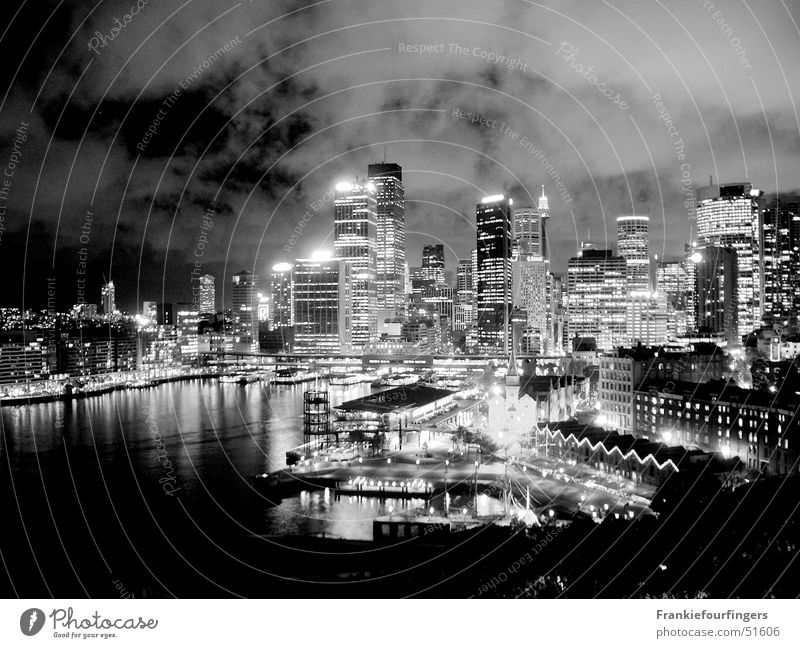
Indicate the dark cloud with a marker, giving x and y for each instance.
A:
(307, 93)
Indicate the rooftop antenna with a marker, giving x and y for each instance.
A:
(384, 154)
(710, 180)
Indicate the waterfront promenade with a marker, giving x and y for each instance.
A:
(538, 480)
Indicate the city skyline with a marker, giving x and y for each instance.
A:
(604, 166)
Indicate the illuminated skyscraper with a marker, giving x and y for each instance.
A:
(529, 281)
(207, 302)
(672, 281)
(527, 232)
(355, 232)
(595, 300)
(282, 296)
(729, 215)
(433, 263)
(493, 217)
(245, 304)
(391, 235)
(716, 287)
(633, 246)
(781, 233)
(320, 305)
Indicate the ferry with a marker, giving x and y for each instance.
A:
(241, 378)
(400, 380)
(345, 379)
(293, 376)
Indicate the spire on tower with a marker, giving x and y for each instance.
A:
(544, 206)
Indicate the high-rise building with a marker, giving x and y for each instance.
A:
(391, 235)
(595, 300)
(633, 246)
(186, 322)
(672, 281)
(245, 304)
(433, 263)
(493, 218)
(729, 215)
(781, 234)
(464, 280)
(465, 309)
(355, 232)
(527, 232)
(207, 301)
(532, 281)
(282, 296)
(109, 298)
(529, 281)
(321, 320)
(647, 318)
(716, 288)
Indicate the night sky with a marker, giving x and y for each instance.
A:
(302, 94)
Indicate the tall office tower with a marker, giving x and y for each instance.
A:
(207, 302)
(595, 300)
(464, 280)
(716, 287)
(464, 309)
(355, 232)
(282, 294)
(493, 218)
(320, 305)
(527, 232)
(245, 303)
(433, 263)
(672, 281)
(633, 246)
(647, 318)
(781, 233)
(729, 215)
(529, 281)
(186, 323)
(391, 235)
(109, 298)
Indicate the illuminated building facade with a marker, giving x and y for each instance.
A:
(282, 296)
(633, 246)
(391, 235)
(716, 291)
(596, 298)
(493, 218)
(355, 236)
(781, 234)
(320, 305)
(207, 300)
(245, 301)
(729, 215)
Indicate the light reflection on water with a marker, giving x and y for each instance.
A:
(217, 436)
(319, 513)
